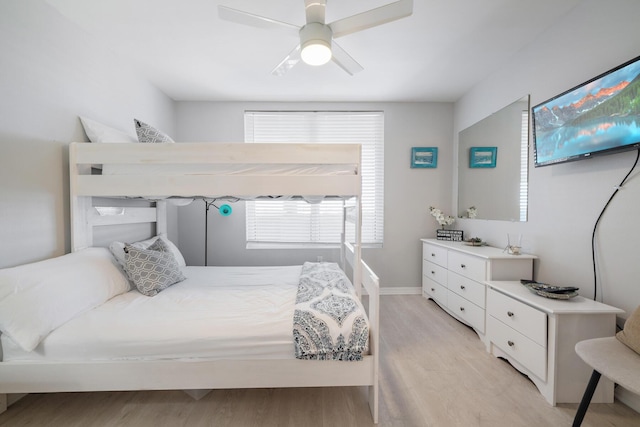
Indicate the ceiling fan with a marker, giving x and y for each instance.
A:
(317, 39)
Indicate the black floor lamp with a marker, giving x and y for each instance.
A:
(224, 210)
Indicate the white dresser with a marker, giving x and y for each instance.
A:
(454, 276)
(537, 336)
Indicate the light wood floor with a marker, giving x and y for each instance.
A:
(434, 372)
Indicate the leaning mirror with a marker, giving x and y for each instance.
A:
(493, 165)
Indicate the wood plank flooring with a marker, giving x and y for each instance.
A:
(434, 371)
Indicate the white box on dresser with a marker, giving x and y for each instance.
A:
(538, 335)
(454, 276)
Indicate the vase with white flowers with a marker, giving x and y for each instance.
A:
(442, 219)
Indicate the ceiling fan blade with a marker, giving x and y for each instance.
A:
(288, 62)
(315, 10)
(344, 60)
(246, 18)
(372, 18)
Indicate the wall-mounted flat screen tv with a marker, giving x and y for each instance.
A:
(600, 116)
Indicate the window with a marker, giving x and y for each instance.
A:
(293, 222)
(524, 164)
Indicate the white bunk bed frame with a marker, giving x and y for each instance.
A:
(24, 377)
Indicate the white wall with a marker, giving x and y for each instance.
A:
(565, 200)
(408, 192)
(50, 73)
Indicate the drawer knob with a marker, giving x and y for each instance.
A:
(433, 272)
(462, 287)
(511, 343)
(433, 289)
(463, 266)
(461, 308)
(433, 254)
(510, 313)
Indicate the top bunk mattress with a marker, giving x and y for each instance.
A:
(222, 169)
(215, 170)
(216, 313)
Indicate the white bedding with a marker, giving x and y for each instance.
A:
(218, 312)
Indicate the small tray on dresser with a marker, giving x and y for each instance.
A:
(474, 243)
(550, 291)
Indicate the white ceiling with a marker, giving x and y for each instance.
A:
(437, 54)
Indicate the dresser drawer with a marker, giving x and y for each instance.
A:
(434, 254)
(434, 272)
(527, 320)
(528, 353)
(434, 290)
(469, 266)
(467, 288)
(467, 311)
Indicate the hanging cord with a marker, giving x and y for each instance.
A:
(595, 227)
(207, 205)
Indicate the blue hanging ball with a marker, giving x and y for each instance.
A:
(225, 210)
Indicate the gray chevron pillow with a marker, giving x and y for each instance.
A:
(147, 133)
(154, 269)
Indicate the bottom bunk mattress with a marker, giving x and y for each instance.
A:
(216, 313)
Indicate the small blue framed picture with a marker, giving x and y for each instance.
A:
(483, 157)
(424, 157)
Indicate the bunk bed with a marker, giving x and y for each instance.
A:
(162, 172)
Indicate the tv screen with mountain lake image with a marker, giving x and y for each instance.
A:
(600, 116)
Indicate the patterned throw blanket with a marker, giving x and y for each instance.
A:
(329, 322)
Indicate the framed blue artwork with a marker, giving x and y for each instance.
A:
(483, 157)
(424, 157)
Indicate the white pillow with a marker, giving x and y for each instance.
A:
(97, 132)
(117, 249)
(37, 298)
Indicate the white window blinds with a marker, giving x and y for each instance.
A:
(299, 222)
(524, 164)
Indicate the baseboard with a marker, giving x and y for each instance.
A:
(632, 400)
(401, 290)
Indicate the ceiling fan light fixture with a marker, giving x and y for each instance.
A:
(316, 45)
(315, 41)
(316, 53)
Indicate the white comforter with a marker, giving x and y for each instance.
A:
(218, 312)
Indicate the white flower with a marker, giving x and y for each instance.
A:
(472, 212)
(440, 217)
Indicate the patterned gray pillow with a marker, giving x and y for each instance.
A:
(147, 133)
(154, 269)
